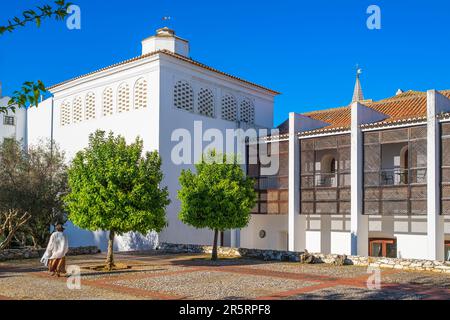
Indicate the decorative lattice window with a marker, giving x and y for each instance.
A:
(205, 105)
(108, 108)
(90, 106)
(77, 110)
(140, 94)
(247, 111)
(65, 113)
(123, 98)
(183, 96)
(229, 108)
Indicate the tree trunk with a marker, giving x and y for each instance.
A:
(110, 254)
(11, 225)
(214, 251)
(6, 243)
(35, 242)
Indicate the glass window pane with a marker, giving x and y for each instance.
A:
(391, 250)
(377, 249)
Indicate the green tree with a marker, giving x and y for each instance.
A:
(218, 196)
(29, 94)
(114, 188)
(31, 91)
(32, 181)
(47, 183)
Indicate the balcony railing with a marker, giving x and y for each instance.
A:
(397, 177)
(326, 180)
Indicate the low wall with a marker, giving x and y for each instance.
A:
(276, 255)
(30, 253)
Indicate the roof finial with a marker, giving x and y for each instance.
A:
(358, 93)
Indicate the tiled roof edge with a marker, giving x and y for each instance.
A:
(174, 55)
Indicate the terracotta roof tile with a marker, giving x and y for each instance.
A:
(337, 118)
(410, 106)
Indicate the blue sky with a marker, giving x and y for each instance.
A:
(305, 49)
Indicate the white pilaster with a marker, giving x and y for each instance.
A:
(435, 221)
(296, 223)
(359, 223)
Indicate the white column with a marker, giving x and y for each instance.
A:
(296, 222)
(435, 221)
(359, 222)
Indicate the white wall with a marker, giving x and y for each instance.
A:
(409, 231)
(18, 130)
(153, 124)
(276, 227)
(39, 122)
(172, 119)
(74, 137)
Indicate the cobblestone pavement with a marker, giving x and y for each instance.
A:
(183, 276)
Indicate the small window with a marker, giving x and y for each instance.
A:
(229, 108)
(140, 94)
(183, 96)
(66, 113)
(9, 121)
(383, 248)
(123, 98)
(90, 106)
(247, 111)
(108, 108)
(77, 110)
(206, 102)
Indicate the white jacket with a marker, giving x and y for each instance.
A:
(57, 247)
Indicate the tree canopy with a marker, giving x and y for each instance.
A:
(113, 187)
(33, 181)
(218, 196)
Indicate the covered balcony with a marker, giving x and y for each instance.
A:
(325, 175)
(272, 189)
(395, 173)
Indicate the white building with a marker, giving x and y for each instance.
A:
(12, 124)
(151, 96)
(371, 178)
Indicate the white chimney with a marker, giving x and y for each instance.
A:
(165, 39)
(399, 91)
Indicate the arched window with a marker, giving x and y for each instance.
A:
(328, 164)
(77, 110)
(140, 94)
(183, 96)
(328, 171)
(123, 98)
(229, 108)
(65, 113)
(90, 106)
(247, 111)
(108, 108)
(205, 105)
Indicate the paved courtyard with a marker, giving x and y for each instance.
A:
(195, 277)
